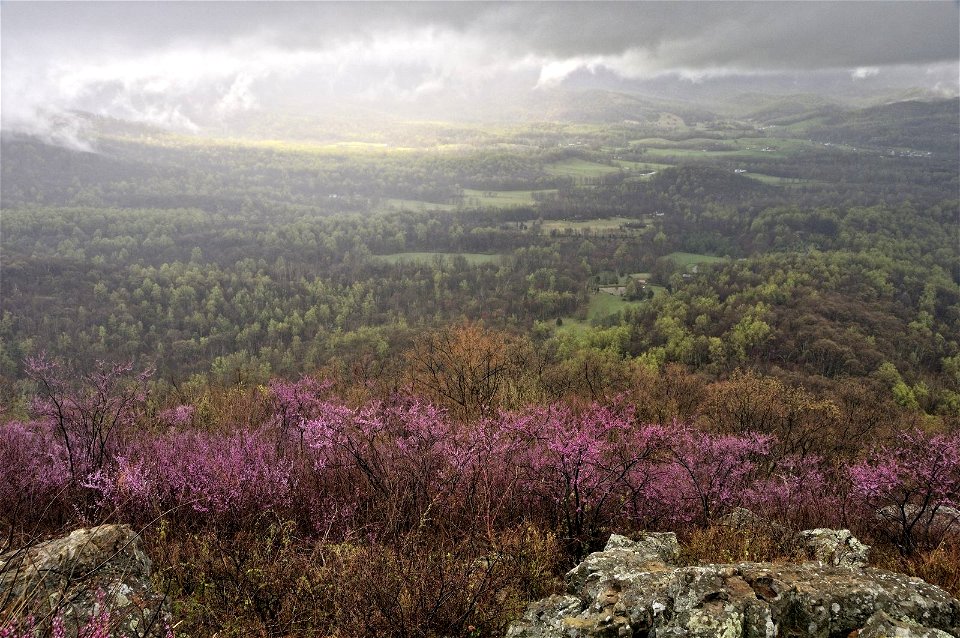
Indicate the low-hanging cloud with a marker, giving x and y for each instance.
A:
(182, 65)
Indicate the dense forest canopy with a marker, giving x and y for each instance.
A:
(721, 245)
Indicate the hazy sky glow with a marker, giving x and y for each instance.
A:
(180, 64)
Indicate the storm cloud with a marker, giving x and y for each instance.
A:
(179, 64)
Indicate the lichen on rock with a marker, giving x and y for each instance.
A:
(835, 547)
(76, 576)
(633, 588)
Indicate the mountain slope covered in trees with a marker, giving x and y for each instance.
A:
(410, 378)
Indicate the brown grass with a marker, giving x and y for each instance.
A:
(271, 583)
(720, 543)
(939, 566)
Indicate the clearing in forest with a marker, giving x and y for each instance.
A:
(580, 169)
(501, 199)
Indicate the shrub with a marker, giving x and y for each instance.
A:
(90, 412)
(223, 477)
(710, 474)
(910, 487)
(34, 474)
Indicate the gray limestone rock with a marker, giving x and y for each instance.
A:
(623, 558)
(631, 589)
(881, 625)
(73, 575)
(835, 547)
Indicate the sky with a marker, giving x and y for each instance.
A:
(182, 65)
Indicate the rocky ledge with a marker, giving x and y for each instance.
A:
(91, 571)
(633, 588)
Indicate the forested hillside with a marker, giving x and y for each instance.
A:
(200, 257)
(404, 383)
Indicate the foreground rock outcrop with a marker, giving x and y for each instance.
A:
(80, 575)
(836, 547)
(632, 588)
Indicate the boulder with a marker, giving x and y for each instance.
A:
(78, 576)
(622, 557)
(881, 625)
(835, 547)
(829, 546)
(633, 589)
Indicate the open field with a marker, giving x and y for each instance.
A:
(689, 143)
(686, 153)
(579, 168)
(604, 304)
(501, 199)
(692, 259)
(744, 147)
(601, 305)
(742, 153)
(642, 167)
(657, 290)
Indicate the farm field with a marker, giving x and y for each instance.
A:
(642, 166)
(692, 259)
(501, 199)
(689, 143)
(601, 305)
(580, 168)
(742, 147)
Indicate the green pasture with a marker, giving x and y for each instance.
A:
(691, 259)
(604, 304)
(641, 167)
(579, 168)
(601, 305)
(504, 199)
(804, 125)
(693, 143)
(744, 147)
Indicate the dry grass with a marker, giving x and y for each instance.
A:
(721, 543)
(939, 566)
(725, 544)
(272, 583)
